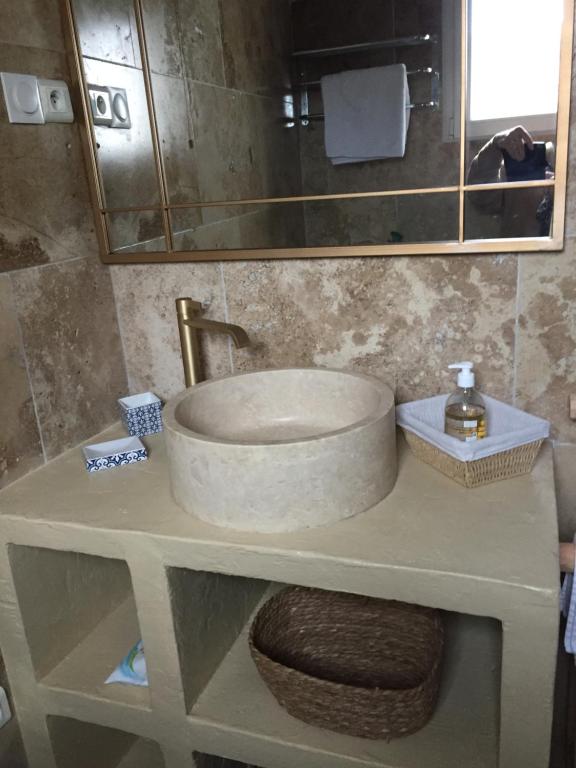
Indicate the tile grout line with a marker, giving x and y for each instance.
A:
(236, 91)
(41, 48)
(516, 331)
(48, 264)
(226, 315)
(119, 324)
(221, 39)
(185, 78)
(27, 367)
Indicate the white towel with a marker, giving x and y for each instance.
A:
(365, 114)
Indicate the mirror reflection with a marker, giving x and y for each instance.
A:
(285, 100)
(511, 156)
(512, 115)
(323, 222)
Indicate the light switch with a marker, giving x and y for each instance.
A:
(22, 98)
(120, 111)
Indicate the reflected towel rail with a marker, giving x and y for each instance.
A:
(319, 116)
(410, 73)
(397, 42)
(305, 117)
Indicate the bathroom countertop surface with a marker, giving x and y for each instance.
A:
(504, 533)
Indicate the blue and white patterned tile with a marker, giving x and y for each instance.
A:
(146, 420)
(115, 453)
(110, 462)
(141, 414)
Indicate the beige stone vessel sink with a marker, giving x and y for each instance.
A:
(280, 450)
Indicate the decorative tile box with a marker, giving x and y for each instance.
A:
(141, 414)
(115, 453)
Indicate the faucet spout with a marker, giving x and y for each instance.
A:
(190, 321)
(238, 335)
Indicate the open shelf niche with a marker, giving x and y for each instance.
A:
(210, 610)
(245, 722)
(80, 620)
(77, 744)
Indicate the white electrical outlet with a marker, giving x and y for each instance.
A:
(55, 99)
(101, 104)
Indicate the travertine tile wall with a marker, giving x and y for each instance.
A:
(61, 363)
(404, 319)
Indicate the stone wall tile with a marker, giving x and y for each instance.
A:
(70, 333)
(546, 348)
(34, 23)
(45, 213)
(403, 320)
(145, 297)
(20, 448)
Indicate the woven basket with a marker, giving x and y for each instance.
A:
(351, 664)
(500, 466)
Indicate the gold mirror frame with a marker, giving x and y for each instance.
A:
(496, 245)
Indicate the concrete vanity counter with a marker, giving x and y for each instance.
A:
(92, 562)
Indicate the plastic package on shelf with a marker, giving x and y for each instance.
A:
(132, 669)
(5, 711)
(508, 428)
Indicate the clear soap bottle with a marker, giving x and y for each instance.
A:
(465, 411)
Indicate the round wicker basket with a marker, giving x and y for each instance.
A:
(351, 664)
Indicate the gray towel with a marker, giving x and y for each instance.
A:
(365, 114)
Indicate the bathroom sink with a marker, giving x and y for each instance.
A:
(279, 450)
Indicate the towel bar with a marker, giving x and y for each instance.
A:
(305, 120)
(410, 73)
(396, 42)
(305, 117)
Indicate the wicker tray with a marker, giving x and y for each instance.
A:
(500, 466)
(351, 664)
(510, 449)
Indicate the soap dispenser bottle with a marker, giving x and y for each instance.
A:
(465, 411)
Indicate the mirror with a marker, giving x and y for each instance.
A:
(295, 128)
(511, 130)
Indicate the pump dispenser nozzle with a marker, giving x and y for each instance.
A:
(466, 378)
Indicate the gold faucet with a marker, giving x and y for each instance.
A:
(190, 322)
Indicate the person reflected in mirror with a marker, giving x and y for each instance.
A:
(513, 155)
